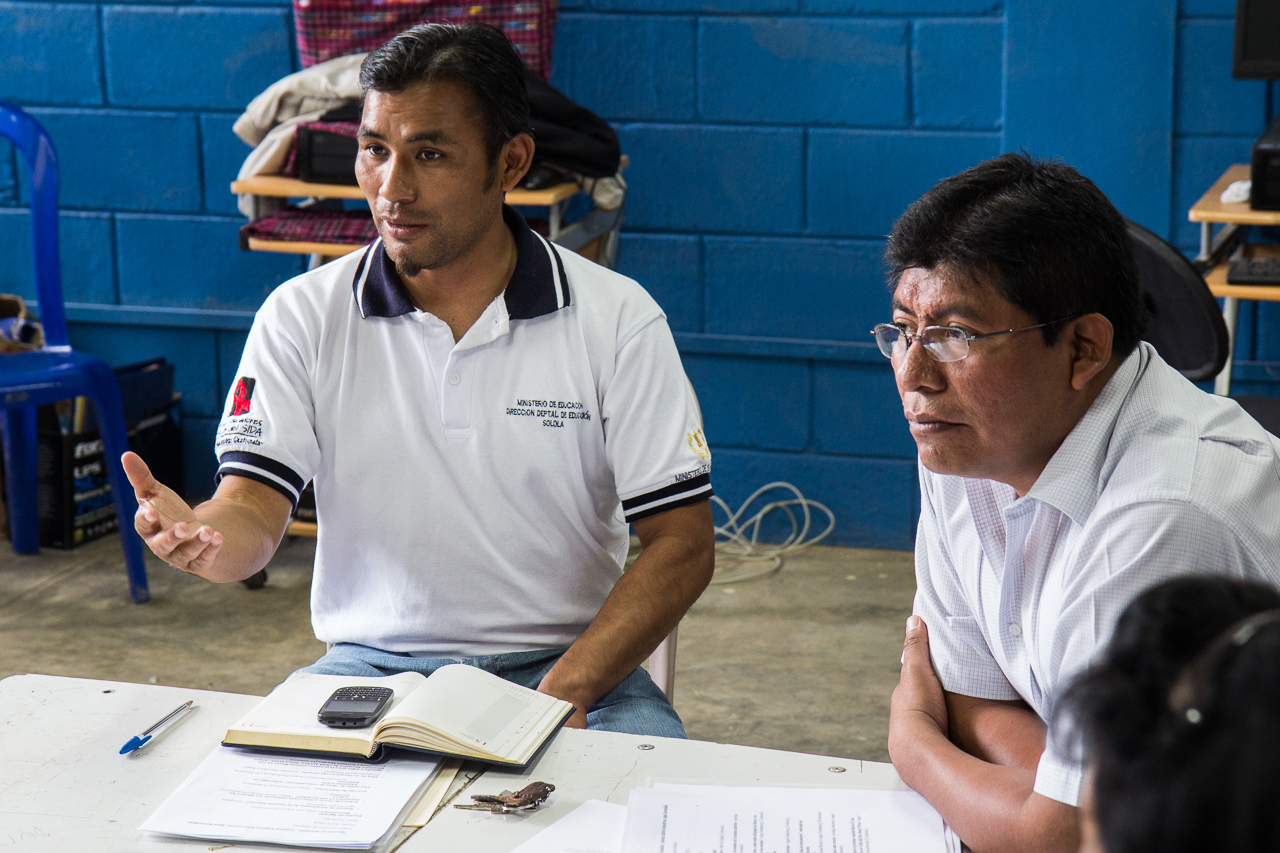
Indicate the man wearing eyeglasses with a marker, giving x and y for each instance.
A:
(1064, 468)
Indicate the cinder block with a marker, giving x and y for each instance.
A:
(1197, 163)
(875, 501)
(957, 67)
(670, 268)
(194, 262)
(907, 8)
(803, 70)
(859, 182)
(856, 409)
(50, 53)
(204, 58)
(1267, 343)
(222, 153)
(627, 67)
(230, 348)
(830, 290)
(191, 351)
(8, 175)
(1208, 100)
(1199, 8)
(737, 7)
(752, 402)
(84, 256)
(1094, 86)
(736, 179)
(200, 462)
(121, 160)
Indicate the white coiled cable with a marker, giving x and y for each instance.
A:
(740, 556)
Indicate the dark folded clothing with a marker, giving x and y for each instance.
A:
(338, 128)
(292, 225)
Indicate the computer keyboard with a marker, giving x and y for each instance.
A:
(1254, 271)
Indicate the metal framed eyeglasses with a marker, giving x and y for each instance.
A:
(943, 343)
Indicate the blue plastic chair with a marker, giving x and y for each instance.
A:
(30, 379)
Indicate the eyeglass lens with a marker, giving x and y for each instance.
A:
(944, 343)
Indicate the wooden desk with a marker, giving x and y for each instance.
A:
(65, 788)
(1211, 210)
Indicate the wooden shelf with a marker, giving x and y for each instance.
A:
(283, 187)
(329, 250)
(302, 528)
(1217, 277)
(1211, 208)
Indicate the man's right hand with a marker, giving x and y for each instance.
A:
(165, 522)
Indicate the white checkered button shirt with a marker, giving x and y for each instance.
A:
(1158, 479)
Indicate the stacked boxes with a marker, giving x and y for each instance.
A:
(76, 503)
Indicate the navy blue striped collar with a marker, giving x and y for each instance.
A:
(537, 287)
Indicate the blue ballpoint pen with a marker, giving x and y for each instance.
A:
(138, 740)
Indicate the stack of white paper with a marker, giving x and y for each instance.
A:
(294, 800)
(668, 818)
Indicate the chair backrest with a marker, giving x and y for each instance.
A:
(1186, 326)
(42, 166)
(327, 29)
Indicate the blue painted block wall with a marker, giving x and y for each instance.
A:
(772, 144)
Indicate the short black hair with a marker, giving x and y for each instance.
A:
(1038, 231)
(478, 55)
(1162, 782)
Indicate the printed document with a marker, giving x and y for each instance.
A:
(669, 818)
(236, 795)
(593, 827)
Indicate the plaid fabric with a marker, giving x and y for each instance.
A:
(291, 225)
(343, 128)
(331, 28)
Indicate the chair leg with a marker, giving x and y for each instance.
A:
(662, 665)
(115, 442)
(19, 435)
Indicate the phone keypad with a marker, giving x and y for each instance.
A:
(356, 694)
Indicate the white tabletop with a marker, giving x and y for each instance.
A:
(65, 787)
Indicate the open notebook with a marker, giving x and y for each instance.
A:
(458, 710)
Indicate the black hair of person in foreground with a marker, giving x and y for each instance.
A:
(1180, 723)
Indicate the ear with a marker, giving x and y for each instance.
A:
(514, 161)
(1089, 338)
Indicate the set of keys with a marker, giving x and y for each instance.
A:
(526, 799)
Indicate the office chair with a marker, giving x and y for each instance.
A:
(56, 372)
(1186, 326)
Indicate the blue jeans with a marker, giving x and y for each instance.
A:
(636, 706)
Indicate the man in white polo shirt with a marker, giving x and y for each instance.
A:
(481, 411)
(1064, 468)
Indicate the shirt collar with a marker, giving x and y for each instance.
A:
(538, 285)
(1073, 478)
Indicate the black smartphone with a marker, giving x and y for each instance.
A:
(355, 707)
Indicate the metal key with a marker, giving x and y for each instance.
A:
(526, 799)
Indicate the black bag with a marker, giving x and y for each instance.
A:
(570, 136)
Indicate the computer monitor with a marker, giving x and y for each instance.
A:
(1257, 50)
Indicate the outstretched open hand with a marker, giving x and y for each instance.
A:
(165, 522)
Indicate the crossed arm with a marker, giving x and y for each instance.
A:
(974, 760)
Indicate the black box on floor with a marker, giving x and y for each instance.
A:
(75, 500)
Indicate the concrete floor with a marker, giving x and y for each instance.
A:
(803, 660)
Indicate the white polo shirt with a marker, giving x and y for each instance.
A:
(1157, 480)
(472, 497)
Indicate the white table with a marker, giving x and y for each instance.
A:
(63, 787)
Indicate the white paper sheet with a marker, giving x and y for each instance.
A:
(593, 827)
(236, 795)
(669, 818)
